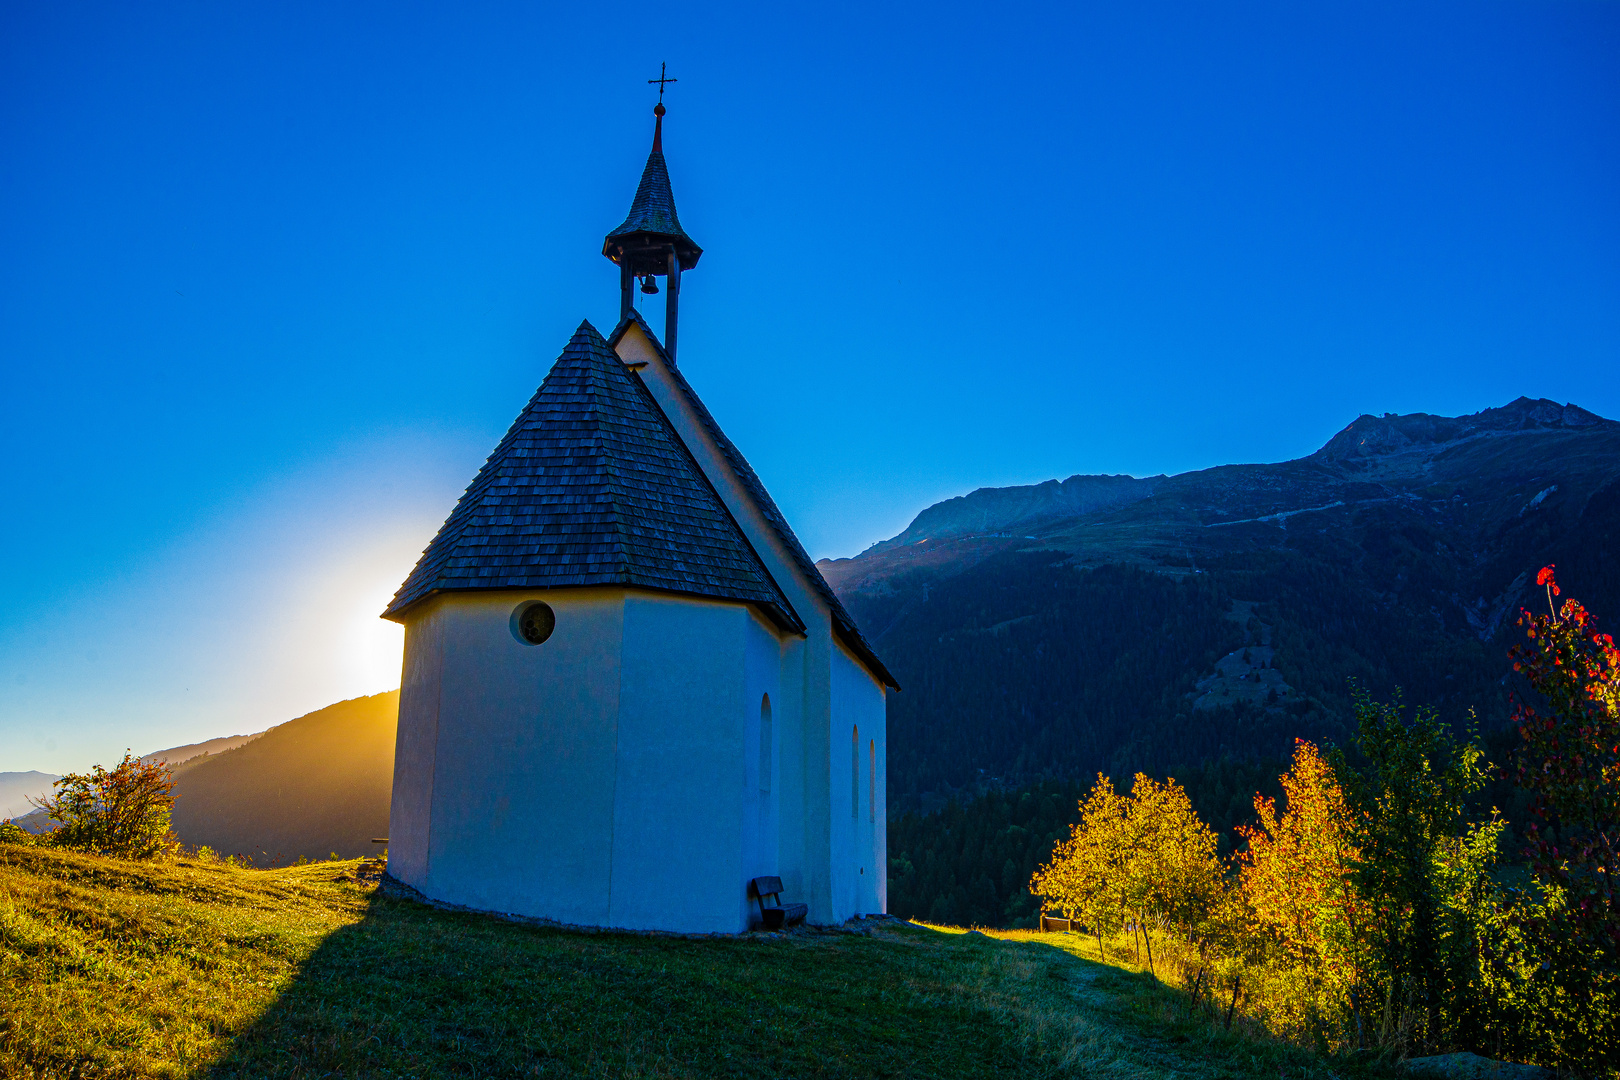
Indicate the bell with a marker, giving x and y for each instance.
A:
(649, 285)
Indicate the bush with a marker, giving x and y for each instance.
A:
(1564, 981)
(206, 854)
(12, 833)
(122, 812)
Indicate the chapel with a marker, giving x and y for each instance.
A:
(628, 693)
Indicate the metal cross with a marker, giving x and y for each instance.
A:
(661, 80)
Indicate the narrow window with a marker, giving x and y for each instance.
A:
(855, 771)
(765, 743)
(871, 782)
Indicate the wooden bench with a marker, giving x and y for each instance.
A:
(777, 914)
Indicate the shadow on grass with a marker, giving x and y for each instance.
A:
(409, 990)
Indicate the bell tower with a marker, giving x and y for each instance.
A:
(651, 243)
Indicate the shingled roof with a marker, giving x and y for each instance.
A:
(592, 486)
(843, 623)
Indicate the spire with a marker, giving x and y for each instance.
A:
(652, 229)
(651, 243)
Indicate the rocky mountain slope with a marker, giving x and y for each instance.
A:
(1108, 622)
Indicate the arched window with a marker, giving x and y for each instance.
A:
(765, 743)
(855, 771)
(871, 781)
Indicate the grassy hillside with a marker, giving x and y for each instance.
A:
(115, 969)
(310, 787)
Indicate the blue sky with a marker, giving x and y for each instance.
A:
(278, 276)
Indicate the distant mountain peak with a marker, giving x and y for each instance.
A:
(988, 510)
(1373, 436)
(1160, 520)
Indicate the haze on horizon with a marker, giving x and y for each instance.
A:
(279, 278)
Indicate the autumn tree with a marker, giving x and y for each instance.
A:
(1176, 880)
(1296, 881)
(1088, 876)
(123, 811)
(1145, 859)
(1570, 762)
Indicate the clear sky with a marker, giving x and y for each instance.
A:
(276, 278)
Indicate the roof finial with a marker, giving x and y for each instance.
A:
(658, 110)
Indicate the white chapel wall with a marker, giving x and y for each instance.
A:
(415, 741)
(522, 798)
(805, 836)
(763, 700)
(788, 789)
(859, 825)
(681, 793)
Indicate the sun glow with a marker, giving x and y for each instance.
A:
(331, 630)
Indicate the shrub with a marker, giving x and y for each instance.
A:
(122, 812)
(1570, 763)
(12, 833)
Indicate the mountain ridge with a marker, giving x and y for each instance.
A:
(1355, 450)
(1396, 554)
(307, 788)
(179, 755)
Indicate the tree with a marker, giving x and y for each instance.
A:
(1421, 868)
(1176, 880)
(1146, 858)
(1295, 880)
(122, 812)
(1088, 876)
(1570, 762)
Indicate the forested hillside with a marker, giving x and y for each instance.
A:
(1196, 625)
(1222, 613)
(309, 788)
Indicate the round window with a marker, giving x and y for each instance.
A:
(533, 622)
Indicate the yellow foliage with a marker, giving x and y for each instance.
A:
(1296, 883)
(1088, 877)
(1146, 859)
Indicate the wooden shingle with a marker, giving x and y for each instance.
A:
(592, 486)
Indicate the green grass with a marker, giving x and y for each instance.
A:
(112, 969)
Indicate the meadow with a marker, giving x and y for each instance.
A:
(196, 968)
